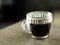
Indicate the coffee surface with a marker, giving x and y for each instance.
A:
(40, 30)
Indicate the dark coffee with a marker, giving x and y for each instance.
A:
(40, 30)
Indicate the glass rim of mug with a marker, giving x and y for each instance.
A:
(36, 15)
(30, 13)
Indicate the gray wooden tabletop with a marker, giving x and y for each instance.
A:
(14, 35)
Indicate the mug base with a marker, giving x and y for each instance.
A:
(40, 37)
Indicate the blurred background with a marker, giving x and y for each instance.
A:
(12, 11)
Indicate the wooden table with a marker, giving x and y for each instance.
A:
(14, 35)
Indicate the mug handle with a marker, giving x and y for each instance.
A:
(24, 27)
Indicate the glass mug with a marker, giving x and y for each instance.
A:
(38, 23)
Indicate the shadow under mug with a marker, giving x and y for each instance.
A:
(38, 23)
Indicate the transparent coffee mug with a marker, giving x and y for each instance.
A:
(38, 23)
